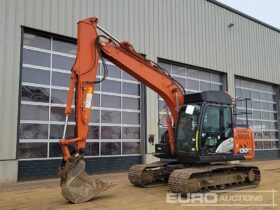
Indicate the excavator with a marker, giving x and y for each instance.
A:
(194, 152)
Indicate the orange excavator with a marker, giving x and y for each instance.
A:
(200, 139)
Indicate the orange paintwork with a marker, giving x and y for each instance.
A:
(244, 142)
(124, 56)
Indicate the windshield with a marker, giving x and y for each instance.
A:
(187, 127)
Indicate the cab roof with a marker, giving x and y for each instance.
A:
(212, 96)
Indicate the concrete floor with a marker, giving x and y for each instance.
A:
(45, 194)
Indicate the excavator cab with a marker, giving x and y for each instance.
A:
(205, 131)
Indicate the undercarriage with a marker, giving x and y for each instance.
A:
(195, 178)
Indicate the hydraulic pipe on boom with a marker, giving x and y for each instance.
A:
(77, 186)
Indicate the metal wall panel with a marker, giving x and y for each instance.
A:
(3, 12)
(189, 31)
(9, 84)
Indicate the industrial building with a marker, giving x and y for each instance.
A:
(204, 44)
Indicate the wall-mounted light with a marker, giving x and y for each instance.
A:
(230, 25)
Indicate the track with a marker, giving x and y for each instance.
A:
(190, 179)
(213, 178)
(149, 175)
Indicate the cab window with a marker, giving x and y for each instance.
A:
(216, 130)
(227, 123)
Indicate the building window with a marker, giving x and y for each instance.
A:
(193, 80)
(114, 128)
(263, 106)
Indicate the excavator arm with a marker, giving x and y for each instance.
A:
(90, 48)
(122, 54)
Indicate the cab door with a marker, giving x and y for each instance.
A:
(216, 136)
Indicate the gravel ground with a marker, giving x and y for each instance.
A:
(45, 194)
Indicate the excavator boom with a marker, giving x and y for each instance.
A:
(90, 48)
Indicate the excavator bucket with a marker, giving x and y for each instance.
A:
(77, 186)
